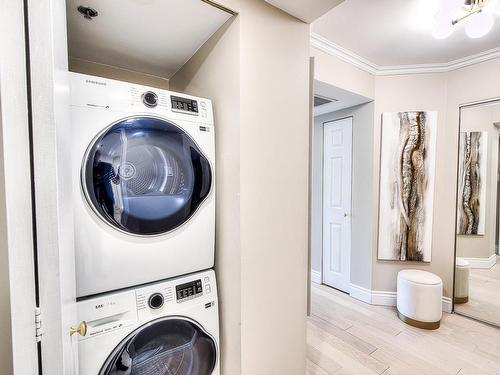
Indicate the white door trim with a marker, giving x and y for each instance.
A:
(52, 174)
(18, 348)
(340, 216)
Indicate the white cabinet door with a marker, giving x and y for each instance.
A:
(52, 181)
(337, 160)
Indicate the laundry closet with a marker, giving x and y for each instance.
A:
(211, 80)
(138, 185)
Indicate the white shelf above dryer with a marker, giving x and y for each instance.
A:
(155, 37)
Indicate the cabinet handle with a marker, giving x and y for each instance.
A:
(81, 329)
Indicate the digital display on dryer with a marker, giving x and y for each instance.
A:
(189, 290)
(184, 105)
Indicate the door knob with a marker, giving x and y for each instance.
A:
(81, 329)
(346, 214)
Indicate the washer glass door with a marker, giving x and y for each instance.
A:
(165, 346)
(145, 176)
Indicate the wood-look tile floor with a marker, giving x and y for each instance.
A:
(484, 295)
(346, 336)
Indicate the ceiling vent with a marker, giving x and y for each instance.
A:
(320, 100)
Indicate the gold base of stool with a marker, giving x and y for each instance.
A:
(461, 299)
(418, 323)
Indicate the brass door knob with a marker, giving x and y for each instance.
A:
(81, 329)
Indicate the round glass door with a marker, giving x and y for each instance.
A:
(145, 176)
(163, 347)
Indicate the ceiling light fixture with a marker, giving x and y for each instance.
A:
(478, 16)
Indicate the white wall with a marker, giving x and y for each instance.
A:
(362, 191)
(262, 173)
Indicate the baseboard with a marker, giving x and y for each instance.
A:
(384, 298)
(447, 305)
(360, 293)
(482, 262)
(316, 276)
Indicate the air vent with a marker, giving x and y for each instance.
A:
(320, 100)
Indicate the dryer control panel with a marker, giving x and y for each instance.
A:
(111, 95)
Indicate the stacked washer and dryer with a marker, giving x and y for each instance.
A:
(144, 204)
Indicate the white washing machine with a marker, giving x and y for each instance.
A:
(165, 328)
(143, 176)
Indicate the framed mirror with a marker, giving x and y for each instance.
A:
(477, 269)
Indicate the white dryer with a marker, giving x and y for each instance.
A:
(143, 176)
(164, 328)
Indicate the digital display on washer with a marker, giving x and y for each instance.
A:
(189, 290)
(184, 104)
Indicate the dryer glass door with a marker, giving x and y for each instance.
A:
(163, 347)
(145, 176)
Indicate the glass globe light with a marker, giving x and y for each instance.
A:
(479, 25)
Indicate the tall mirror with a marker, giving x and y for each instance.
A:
(477, 271)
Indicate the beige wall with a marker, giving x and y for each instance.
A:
(336, 72)
(473, 119)
(403, 93)
(442, 92)
(113, 72)
(214, 72)
(274, 143)
(262, 150)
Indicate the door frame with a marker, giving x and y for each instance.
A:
(50, 99)
(323, 185)
(17, 273)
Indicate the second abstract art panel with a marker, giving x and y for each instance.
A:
(407, 168)
(472, 183)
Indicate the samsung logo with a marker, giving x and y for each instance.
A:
(100, 306)
(95, 82)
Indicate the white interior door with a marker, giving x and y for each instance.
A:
(337, 161)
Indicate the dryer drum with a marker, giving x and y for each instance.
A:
(145, 176)
(164, 347)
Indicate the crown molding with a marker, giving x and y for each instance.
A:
(344, 54)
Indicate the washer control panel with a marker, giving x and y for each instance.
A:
(189, 290)
(115, 311)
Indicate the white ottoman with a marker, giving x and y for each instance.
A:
(462, 275)
(419, 298)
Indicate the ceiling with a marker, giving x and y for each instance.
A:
(398, 33)
(305, 10)
(149, 36)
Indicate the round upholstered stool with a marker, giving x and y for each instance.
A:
(462, 274)
(419, 298)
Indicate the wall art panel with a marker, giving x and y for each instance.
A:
(407, 168)
(472, 183)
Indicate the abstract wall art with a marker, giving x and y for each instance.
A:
(472, 183)
(407, 168)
